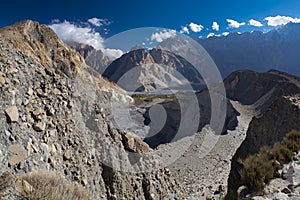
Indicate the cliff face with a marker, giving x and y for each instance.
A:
(93, 58)
(176, 110)
(53, 110)
(280, 118)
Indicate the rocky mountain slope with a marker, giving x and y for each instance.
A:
(260, 89)
(257, 51)
(53, 110)
(276, 108)
(158, 70)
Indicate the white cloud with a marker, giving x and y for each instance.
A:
(255, 23)
(210, 35)
(225, 33)
(163, 35)
(196, 27)
(234, 24)
(281, 20)
(215, 26)
(113, 53)
(70, 32)
(98, 22)
(184, 29)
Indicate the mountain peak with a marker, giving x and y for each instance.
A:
(40, 43)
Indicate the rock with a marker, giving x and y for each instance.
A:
(242, 191)
(68, 154)
(37, 112)
(45, 151)
(84, 181)
(56, 91)
(39, 126)
(135, 144)
(40, 93)
(29, 92)
(2, 80)
(286, 191)
(16, 149)
(15, 159)
(12, 113)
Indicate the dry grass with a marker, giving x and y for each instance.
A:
(50, 186)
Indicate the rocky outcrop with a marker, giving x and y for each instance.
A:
(176, 109)
(260, 89)
(61, 126)
(38, 42)
(93, 58)
(279, 119)
(153, 71)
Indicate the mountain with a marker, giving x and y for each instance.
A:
(260, 89)
(154, 70)
(256, 51)
(274, 96)
(93, 58)
(182, 108)
(53, 110)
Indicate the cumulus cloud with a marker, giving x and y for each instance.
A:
(184, 29)
(215, 26)
(255, 23)
(163, 35)
(234, 24)
(113, 53)
(281, 20)
(196, 27)
(225, 33)
(98, 22)
(70, 32)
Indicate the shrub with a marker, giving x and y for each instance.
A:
(292, 140)
(259, 169)
(50, 186)
(281, 153)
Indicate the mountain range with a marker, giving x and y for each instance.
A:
(61, 111)
(276, 49)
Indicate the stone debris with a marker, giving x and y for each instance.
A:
(56, 94)
(15, 159)
(39, 126)
(12, 113)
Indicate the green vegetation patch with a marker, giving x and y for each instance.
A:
(258, 170)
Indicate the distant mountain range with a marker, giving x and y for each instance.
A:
(277, 49)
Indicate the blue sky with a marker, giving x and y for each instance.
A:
(103, 19)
